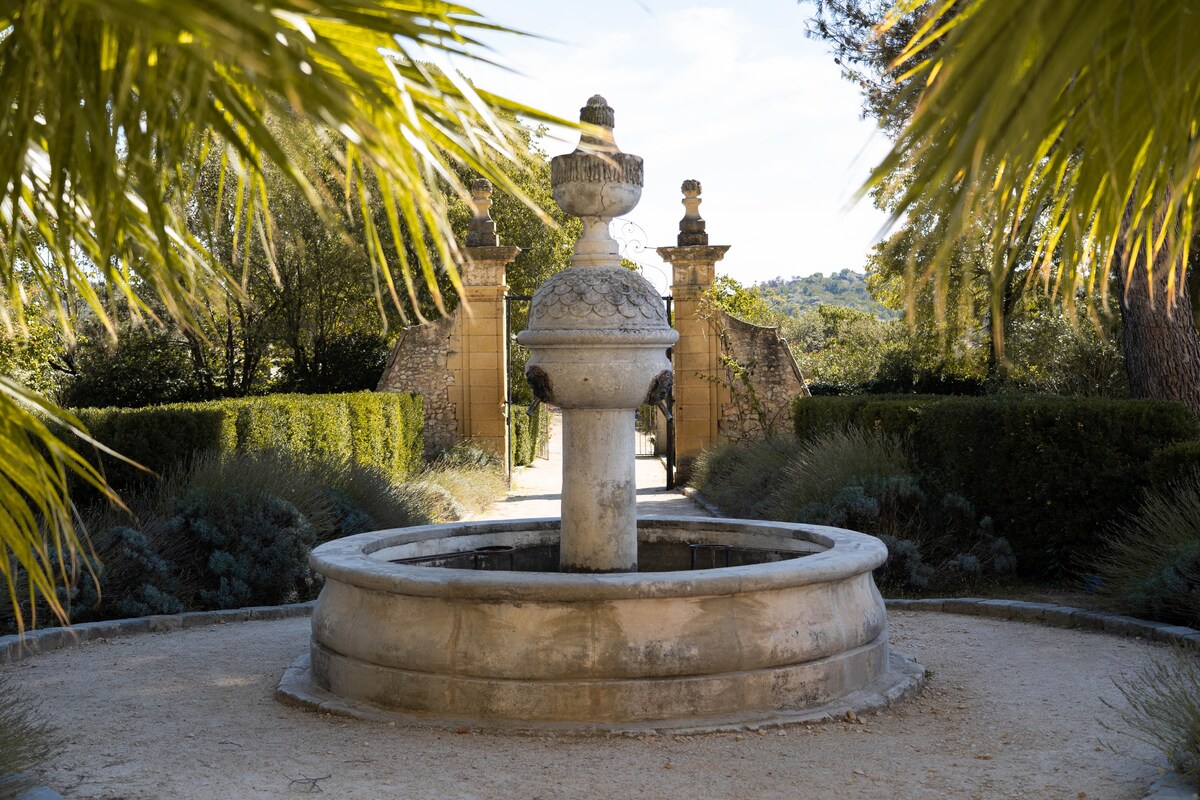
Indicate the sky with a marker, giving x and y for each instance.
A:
(732, 94)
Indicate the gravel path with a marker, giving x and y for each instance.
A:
(1011, 710)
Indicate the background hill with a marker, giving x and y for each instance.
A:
(847, 288)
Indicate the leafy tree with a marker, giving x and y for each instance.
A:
(113, 108)
(841, 346)
(309, 319)
(748, 303)
(1050, 353)
(35, 357)
(943, 307)
(309, 301)
(147, 365)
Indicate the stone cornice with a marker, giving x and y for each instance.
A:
(505, 253)
(692, 254)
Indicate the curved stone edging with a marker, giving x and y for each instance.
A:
(1054, 616)
(16, 648)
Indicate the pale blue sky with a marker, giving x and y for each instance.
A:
(730, 93)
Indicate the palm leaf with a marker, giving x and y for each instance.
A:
(113, 109)
(1074, 124)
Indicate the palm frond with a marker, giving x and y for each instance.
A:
(1071, 124)
(112, 111)
(117, 104)
(38, 540)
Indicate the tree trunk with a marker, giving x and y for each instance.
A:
(1162, 351)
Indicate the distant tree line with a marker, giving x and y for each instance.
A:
(846, 288)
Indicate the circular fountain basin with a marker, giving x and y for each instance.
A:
(469, 623)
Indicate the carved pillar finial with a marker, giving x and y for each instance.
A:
(691, 227)
(599, 113)
(482, 230)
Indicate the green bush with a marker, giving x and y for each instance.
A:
(236, 528)
(248, 548)
(527, 433)
(1173, 462)
(146, 366)
(379, 429)
(1049, 471)
(825, 465)
(739, 478)
(128, 578)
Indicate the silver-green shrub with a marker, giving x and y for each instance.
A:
(1150, 564)
(1163, 709)
(862, 480)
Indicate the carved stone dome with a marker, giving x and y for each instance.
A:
(597, 298)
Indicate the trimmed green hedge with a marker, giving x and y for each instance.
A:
(1052, 472)
(527, 433)
(382, 429)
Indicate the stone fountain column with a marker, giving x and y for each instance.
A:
(598, 335)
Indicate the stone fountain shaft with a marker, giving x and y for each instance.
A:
(599, 501)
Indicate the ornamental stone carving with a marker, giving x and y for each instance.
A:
(598, 336)
(597, 298)
(596, 183)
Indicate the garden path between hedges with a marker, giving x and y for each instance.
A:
(536, 489)
(1011, 710)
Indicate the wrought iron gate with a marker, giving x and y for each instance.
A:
(655, 425)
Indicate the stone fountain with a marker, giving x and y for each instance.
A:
(600, 621)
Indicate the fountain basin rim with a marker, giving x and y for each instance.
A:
(349, 561)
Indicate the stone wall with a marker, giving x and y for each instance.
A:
(421, 363)
(762, 376)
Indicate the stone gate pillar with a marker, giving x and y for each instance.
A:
(699, 395)
(459, 364)
(478, 359)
